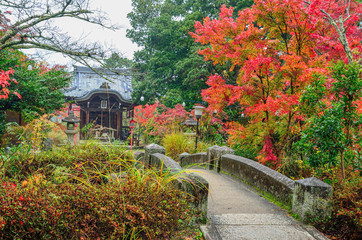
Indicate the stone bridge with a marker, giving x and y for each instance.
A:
(230, 190)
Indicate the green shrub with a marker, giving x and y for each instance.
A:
(202, 146)
(246, 151)
(11, 135)
(295, 169)
(79, 160)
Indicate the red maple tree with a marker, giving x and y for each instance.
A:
(278, 45)
(158, 120)
(5, 81)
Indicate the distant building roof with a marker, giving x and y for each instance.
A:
(86, 81)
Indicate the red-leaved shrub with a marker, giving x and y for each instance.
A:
(118, 210)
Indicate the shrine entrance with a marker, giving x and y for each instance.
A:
(106, 107)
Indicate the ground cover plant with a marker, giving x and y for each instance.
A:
(88, 192)
(346, 219)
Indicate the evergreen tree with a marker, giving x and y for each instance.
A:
(168, 68)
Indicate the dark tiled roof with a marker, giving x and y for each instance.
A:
(86, 81)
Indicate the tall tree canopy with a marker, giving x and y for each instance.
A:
(277, 47)
(168, 66)
(115, 61)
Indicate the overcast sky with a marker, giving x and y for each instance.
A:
(117, 11)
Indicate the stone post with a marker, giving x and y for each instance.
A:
(312, 199)
(197, 187)
(151, 149)
(211, 156)
(214, 154)
(139, 156)
(181, 158)
(183, 155)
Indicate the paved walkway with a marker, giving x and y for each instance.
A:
(236, 212)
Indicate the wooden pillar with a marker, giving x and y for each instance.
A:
(87, 117)
(119, 123)
(81, 124)
(106, 119)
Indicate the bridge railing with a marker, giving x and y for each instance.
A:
(309, 198)
(186, 180)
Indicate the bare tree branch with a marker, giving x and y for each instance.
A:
(30, 26)
(341, 30)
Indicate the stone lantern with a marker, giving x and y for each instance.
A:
(71, 120)
(190, 121)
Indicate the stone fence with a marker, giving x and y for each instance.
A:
(309, 198)
(260, 176)
(194, 185)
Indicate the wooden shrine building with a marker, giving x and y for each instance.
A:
(105, 101)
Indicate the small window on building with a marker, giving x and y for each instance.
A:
(104, 104)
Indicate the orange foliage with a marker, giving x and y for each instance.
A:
(278, 45)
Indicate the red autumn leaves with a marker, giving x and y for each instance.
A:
(278, 46)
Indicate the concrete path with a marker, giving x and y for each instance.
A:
(237, 212)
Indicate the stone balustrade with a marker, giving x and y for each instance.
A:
(259, 176)
(186, 159)
(186, 180)
(151, 149)
(310, 198)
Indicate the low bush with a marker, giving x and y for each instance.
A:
(34, 133)
(346, 218)
(177, 143)
(89, 191)
(11, 136)
(114, 211)
(295, 169)
(246, 151)
(82, 159)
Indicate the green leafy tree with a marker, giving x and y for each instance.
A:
(115, 61)
(333, 135)
(168, 68)
(40, 88)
